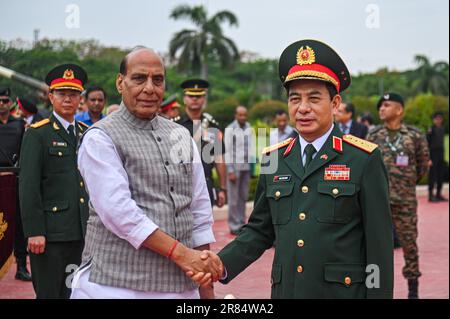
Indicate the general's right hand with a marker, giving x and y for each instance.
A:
(36, 244)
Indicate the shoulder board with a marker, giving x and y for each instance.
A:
(83, 124)
(40, 123)
(210, 118)
(376, 129)
(271, 148)
(366, 146)
(413, 128)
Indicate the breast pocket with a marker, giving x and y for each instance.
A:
(337, 202)
(56, 216)
(280, 201)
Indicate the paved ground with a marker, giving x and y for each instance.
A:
(254, 282)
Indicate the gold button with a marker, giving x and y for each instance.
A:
(82, 200)
(335, 191)
(299, 269)
(301, 243)
(59, 153)
(277, 194)
(55, 209)
(81, 184)
(305, 189)
(348, 281)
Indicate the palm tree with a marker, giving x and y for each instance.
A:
(193, 48)
(431, 77)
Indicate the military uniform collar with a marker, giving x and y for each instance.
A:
(317, 143)
(325, 154)
(65, 124)
(137, 122)
(403, 129)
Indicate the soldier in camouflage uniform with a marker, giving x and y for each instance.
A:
(406, 156)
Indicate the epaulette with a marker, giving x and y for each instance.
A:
(271, 148)
(376, 129)
(210, 118)
(84, 125)
(175, 119)
(40, 123)
(364, 145)
(413, 128)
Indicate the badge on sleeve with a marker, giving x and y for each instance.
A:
(337, 173)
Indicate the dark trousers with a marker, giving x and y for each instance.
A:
(436, 173)
(52, 271)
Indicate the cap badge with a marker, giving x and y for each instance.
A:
(68, 74)
(305, 56)
(386, 96)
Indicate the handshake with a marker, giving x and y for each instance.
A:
(203, 267)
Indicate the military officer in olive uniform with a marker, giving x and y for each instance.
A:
(406, 156)
(206, 133)
(52, 194)
(322, 196)
(170, 108)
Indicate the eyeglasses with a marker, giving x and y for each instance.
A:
(4, 101)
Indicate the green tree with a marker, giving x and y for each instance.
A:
(193, 48)
(431, 77)
(265, 110)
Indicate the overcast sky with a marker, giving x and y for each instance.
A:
(367, 34)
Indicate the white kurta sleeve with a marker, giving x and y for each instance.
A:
(108, 187)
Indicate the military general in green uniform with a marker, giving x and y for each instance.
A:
(52, 194)
(322, 196)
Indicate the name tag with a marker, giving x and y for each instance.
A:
(402, 160)
(62, 144)
(282, 178)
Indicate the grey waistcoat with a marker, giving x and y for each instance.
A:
(157, 156)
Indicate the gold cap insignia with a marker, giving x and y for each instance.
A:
(68, 75)
(305, 56)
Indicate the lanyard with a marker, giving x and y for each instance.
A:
(394, 146)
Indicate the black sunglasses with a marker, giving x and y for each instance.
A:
(4, 101)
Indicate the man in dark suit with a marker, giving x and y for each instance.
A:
(344, 118)
(53, 199)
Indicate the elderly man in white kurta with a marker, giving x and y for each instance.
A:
(150, 215)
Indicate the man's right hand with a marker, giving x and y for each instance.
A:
(195, 261)
(36, 245)
(232, 177)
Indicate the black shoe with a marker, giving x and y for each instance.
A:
(397, 243)
(413, 287)
(23, 274)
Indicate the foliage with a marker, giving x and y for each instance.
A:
(253, 81)
(265, 110)
(419, 110)
(194, 48)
